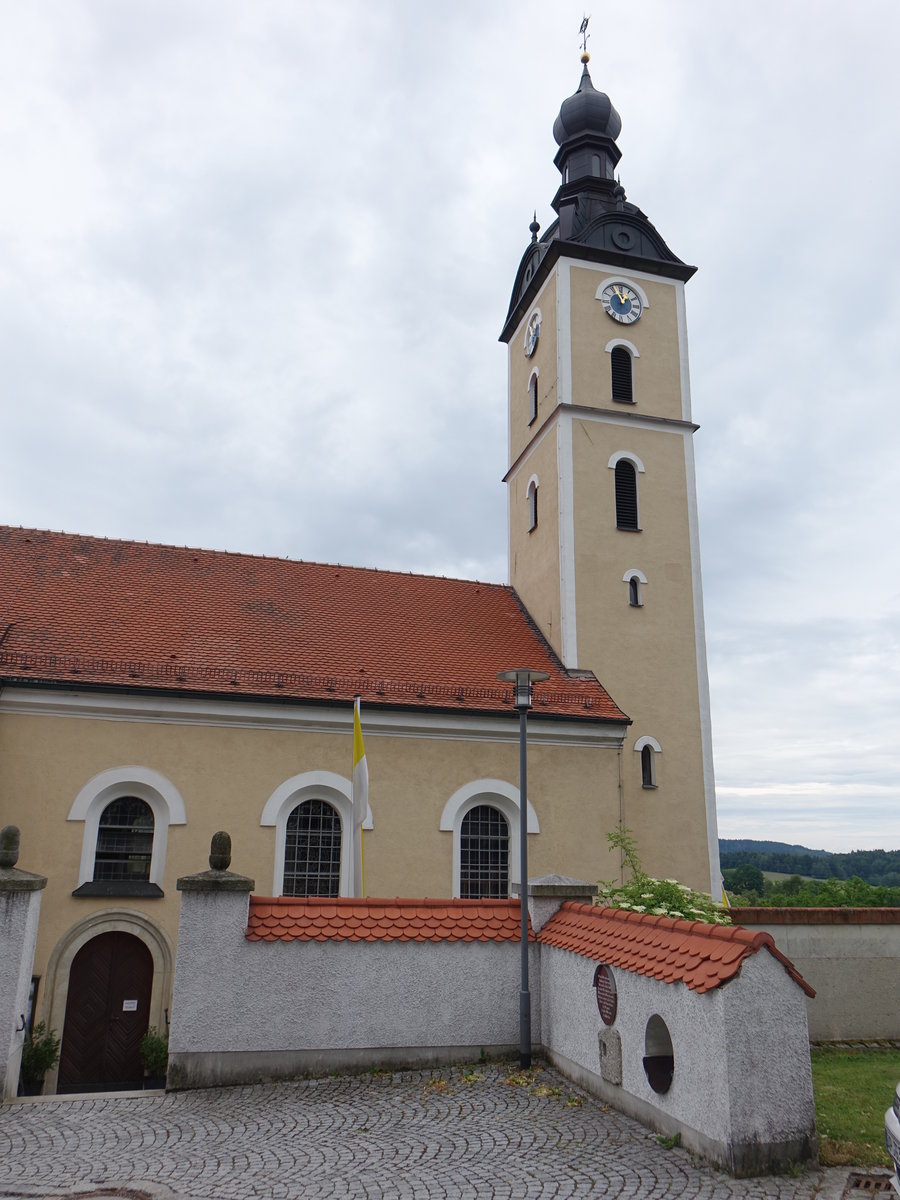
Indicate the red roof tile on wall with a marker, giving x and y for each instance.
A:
(295, 919)
(81, 610)
(690, 952)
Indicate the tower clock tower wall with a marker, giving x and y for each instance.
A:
(605, 556)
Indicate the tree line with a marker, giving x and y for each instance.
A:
(879, 868)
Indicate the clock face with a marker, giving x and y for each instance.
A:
(532, 333)
(622, 303)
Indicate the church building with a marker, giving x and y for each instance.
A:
(151, 695)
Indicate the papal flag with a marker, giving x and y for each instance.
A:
(360, 801)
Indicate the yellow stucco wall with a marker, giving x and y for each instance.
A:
(544, 360)
(226, 774)
(534, 553)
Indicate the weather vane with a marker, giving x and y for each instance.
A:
(584, 34)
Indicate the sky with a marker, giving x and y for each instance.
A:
(255, 259)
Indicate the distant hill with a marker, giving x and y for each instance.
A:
(878, 867)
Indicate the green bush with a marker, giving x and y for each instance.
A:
(154, 1053)
(662, 897)
(39, 1054)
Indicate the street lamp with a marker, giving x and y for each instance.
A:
(523, 679)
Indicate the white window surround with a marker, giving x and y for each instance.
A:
(632, 458)
(154, 789)
(648, 741)
(629, 346)
(500, 795)
(622, 279)
(313, 785)
(634, 573)
(531, 500)
(640, 745)
(533, 380)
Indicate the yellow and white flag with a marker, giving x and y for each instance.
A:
(360, 802)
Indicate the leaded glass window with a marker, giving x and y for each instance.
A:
(484, 854)
(124, 840)
(312, 850)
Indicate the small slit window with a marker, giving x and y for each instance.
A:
(312, 850)
(622, 381)
(124, 841)
(533, 398)
(484, 854)
(626, 495)
(634, 592)
(648, 772)
(532, 499)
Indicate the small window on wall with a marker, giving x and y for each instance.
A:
(621, 369)
(484, 854)
(532, 500)
(124, 841)
(626, 495)
(533, 398)
(635, 580)
(648, 748)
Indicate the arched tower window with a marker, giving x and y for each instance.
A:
(312, 850)
(648, 748)
(484, 854)
(124, 841)
(626, 495)
(621, 367)
(533, 398)
(532, 498)
(634, 592)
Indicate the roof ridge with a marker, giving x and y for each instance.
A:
(309, 562)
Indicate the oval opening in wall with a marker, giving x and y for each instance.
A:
(659, 1057)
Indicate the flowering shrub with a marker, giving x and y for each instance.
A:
(662, 897)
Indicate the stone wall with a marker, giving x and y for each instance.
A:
(850, 956)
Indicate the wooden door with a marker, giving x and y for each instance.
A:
(107, 1014)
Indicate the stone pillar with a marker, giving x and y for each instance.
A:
(548, 893)
(20, 905)
(213, 919)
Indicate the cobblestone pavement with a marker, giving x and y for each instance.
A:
(456, 1134)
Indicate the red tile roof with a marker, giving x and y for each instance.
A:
(83, 610)
(292, 919)
(691, 952)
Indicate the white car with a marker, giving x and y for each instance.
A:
(892, 1137)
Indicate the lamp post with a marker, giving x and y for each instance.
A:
(523, 679)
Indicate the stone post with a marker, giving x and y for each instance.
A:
(20, 905)
(213, 919)
(547, 894)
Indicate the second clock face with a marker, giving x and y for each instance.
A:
(622, 303)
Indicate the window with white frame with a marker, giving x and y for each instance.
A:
(313, 846)
(626, 466)
(126, 812)
(478, 845)
(648, 748)
(636, 581)
(531, 498)
(533, 397)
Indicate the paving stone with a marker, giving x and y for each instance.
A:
(445, 1134)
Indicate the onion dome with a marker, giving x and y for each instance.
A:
(586, 112)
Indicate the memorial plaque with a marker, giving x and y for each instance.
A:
(607, 998)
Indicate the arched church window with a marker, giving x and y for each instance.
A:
(312, 850)
(648, 775)
(124, 841)
(533, 398)
(626, 495)
(484, 854)
(622, 382)
(532, 497)
(634, 592)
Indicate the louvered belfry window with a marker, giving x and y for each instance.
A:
(626, 495)
(622, 389)
(484, 854)
(312, 850)
(124, 840)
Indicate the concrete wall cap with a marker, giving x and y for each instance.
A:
(14, 880)
(215, 881)
(557, 885)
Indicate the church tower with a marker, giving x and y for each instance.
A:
(603, 535)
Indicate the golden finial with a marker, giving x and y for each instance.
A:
(585, 57)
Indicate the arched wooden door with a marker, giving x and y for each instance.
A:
(107, 1014)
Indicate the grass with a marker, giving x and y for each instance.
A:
(852, 1090)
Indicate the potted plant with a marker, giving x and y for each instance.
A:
(39, 1054)
(154, 1055)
